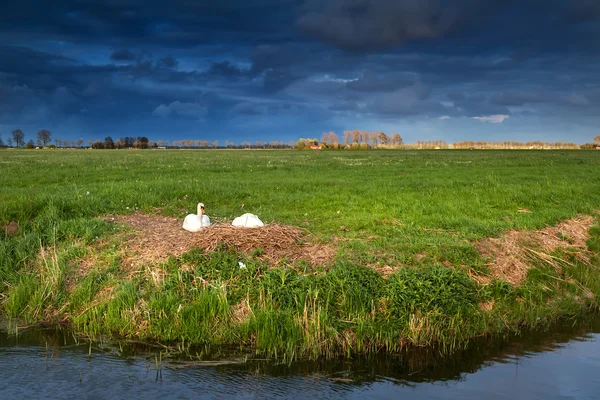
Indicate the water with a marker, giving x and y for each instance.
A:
(561, 364)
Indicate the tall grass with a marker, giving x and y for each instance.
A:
(420, 211)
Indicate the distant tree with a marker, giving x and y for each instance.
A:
(44, 136)
(597, 139)
(215, 144)
(128, 141)
(383, 138)
(366, 136)
(143, 142)
(347, 135)
(18, 137)
(109, 143)
(396, 139)
(355, 136)
(30, 144)
(9, 142)
(333, 138)
(1, 141)
(97, 145)
(374, 139)
(79, 142)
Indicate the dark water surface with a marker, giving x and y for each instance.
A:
(560, 364)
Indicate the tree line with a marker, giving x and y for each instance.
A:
(362, 140)
(352, 139)
(126, 142)
(17, 139)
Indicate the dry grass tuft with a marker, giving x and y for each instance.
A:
(10, 228)
(510, 253)
(155, 238)
(385, 271)
(487, 306)
(241, 312)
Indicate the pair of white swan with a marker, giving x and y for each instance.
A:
(195, 223)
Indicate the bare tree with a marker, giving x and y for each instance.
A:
(215, 144)
(396, 139)
(18, 137)
(44, 136)
(384, 138)
(597, 139)
(109, 143)
(347, 135)
(366, 136)
(333, 138)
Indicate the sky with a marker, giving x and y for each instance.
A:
(266, 70)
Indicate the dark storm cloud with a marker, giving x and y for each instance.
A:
(120, 62)
(518, 98)
(369, 24)
(278, 79)
(247, 108)
(122, 55)
(407, 101)
(168, 62)
(227, 70)
(179, 22)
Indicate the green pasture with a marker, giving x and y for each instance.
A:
(421, 211)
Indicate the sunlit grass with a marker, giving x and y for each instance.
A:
(418, 211)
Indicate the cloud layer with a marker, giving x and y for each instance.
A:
(279, 69)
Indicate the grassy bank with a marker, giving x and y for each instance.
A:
(417, 213)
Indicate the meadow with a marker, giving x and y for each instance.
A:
(416, 214)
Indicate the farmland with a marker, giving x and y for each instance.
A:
(404, 228)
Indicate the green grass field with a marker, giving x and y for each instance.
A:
(421, 211)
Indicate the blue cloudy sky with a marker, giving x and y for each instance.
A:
(282, 69)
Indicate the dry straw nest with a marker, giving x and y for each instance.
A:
(512, 253)
(155, 238)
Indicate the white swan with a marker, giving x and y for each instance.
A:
(195, 223)
(248, 221)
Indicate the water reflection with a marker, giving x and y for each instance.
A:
(557, 363)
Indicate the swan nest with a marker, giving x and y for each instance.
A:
(155, 238)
